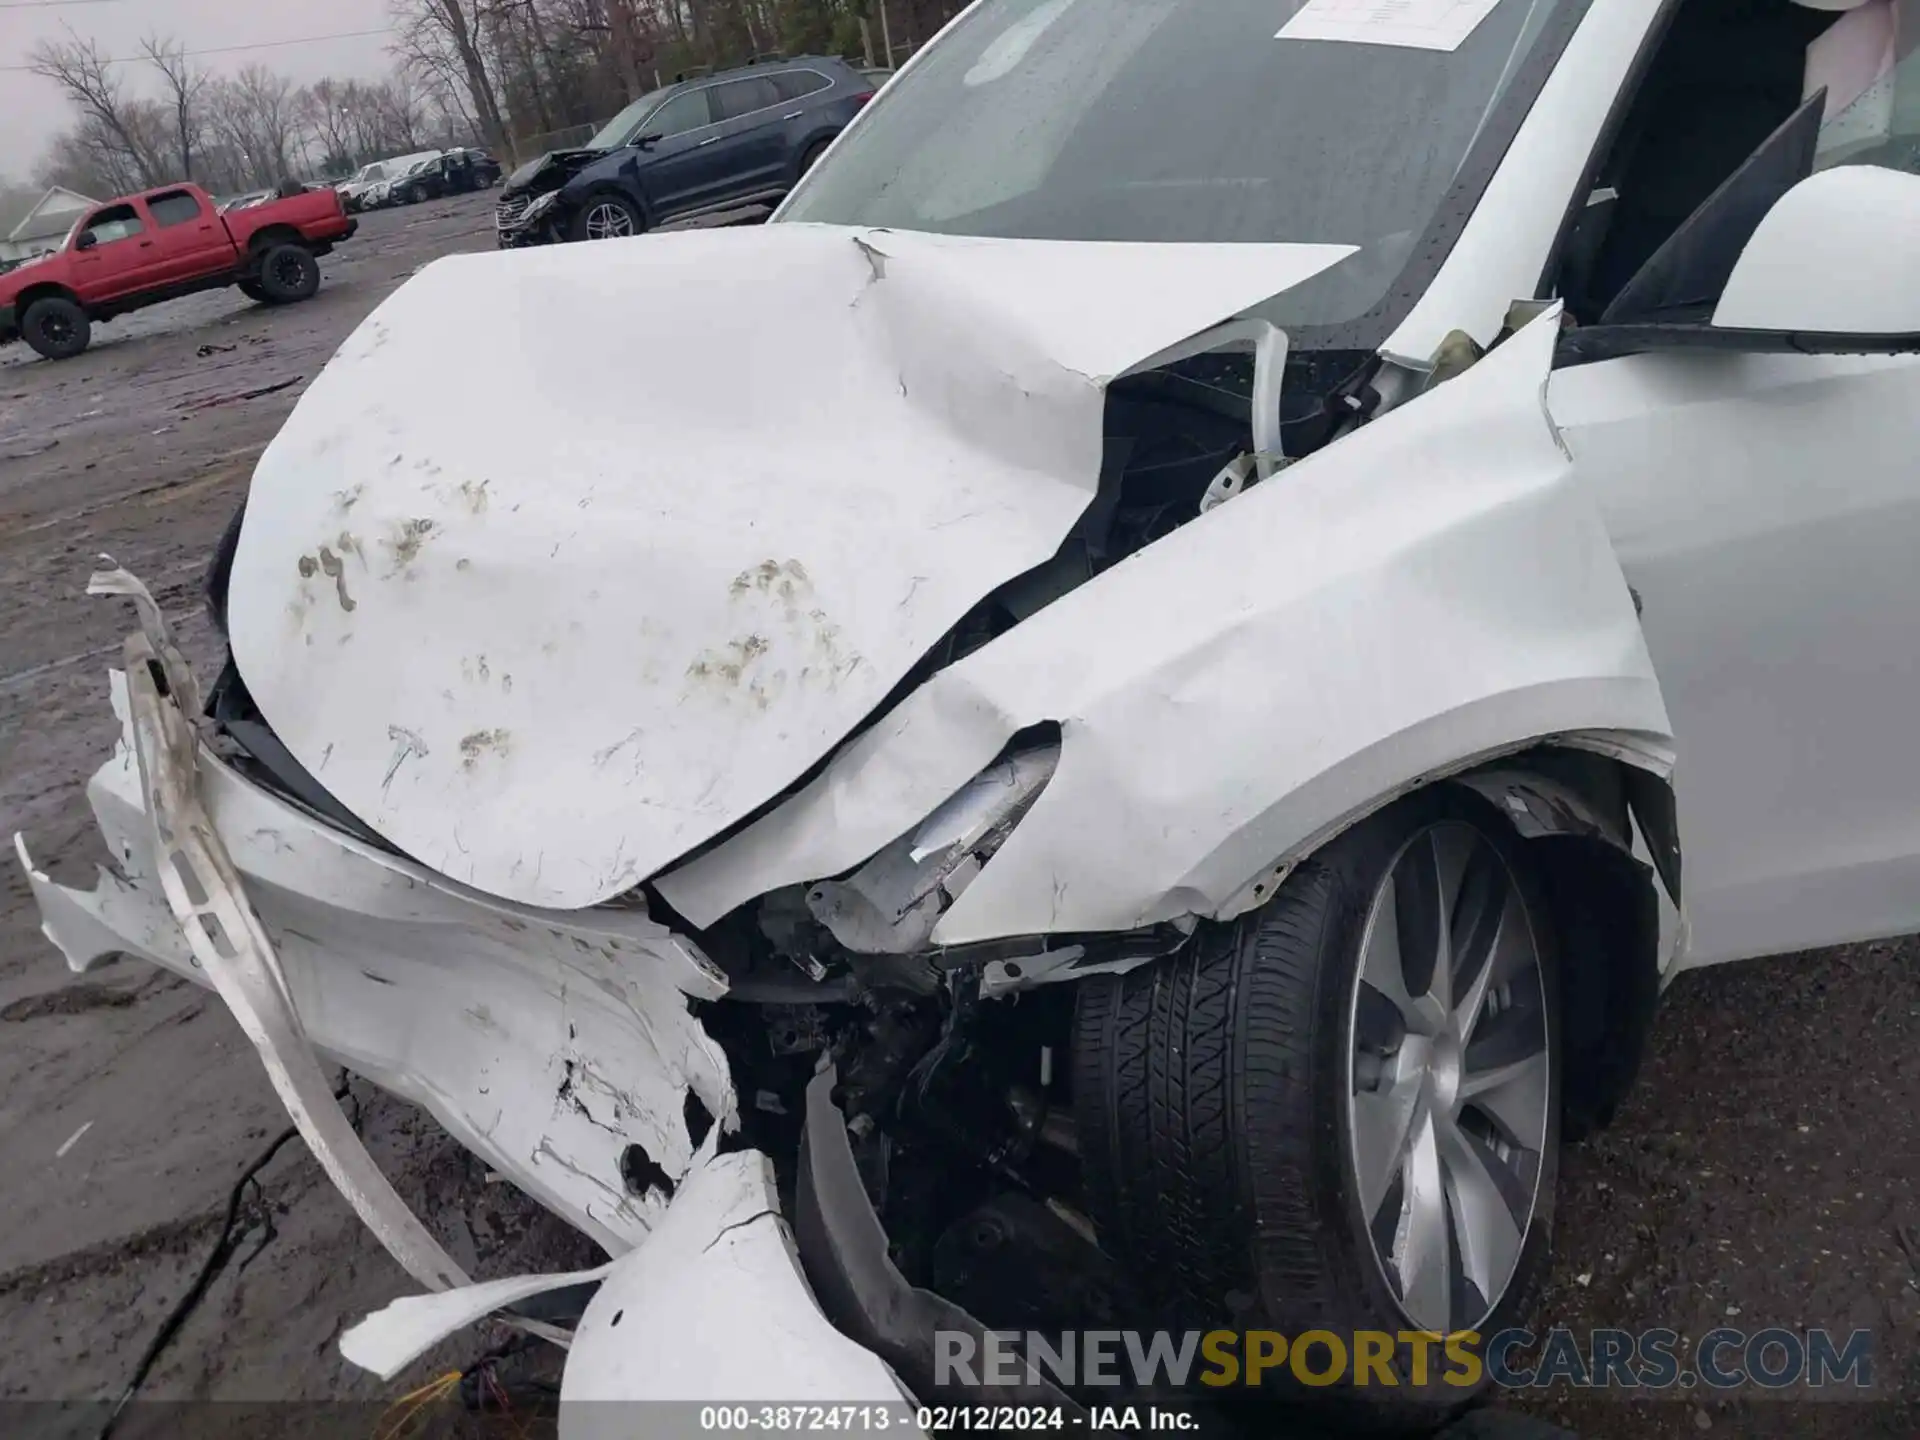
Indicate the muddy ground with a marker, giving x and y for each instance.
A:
(1759, 1176)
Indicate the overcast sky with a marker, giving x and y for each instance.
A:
(32, 111)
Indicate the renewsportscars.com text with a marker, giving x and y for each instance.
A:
(1773, 1358)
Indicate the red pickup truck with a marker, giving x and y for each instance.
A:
(141, 250)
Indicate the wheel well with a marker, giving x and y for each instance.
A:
(266, 239)
(24, 301)
(815, 145)
(1579, 814)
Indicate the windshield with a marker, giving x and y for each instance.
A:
(1191, 120)
(624, 126)
(369, 173)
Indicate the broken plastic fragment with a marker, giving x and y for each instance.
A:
(389, 1340)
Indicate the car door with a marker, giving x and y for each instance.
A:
(189, 240)
(810, 116)
(1766, 510)
(675, 165)
(115, 253)
(748, 143)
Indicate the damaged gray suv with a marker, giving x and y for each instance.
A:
(1099, 727)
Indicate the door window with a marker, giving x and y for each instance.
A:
(116, 222)
(794, 84)
(735, 98)
(176, 207)
(682, 113)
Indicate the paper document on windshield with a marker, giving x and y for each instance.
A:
(1416, 24)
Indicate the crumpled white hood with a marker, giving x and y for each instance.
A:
(573, 558)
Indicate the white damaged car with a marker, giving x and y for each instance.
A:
(1099, 724)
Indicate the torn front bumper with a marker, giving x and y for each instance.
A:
(546, 1043)
(549, 1044)
(712, 1310)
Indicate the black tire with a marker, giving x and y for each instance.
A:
(811, 154)
(288, 273)
(1212, 1094)
(585, 219)
(251, 289)
(56, 327)
(220, 570)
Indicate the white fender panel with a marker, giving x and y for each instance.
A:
(1429, 591)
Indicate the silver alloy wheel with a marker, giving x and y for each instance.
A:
(608, 221)
(1448, 1077)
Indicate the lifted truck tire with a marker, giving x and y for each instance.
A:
(56, 327)
(288, 273)
(1225, 1097)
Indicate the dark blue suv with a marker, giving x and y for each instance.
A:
(733, 139)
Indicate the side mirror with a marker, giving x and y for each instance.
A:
(1831, 270)
(1836, 256)
(647, 142)
(86, 241)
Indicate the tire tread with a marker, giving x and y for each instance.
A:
(1209, 1105)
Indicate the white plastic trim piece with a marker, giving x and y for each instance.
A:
(389, 1340)
(205, 894)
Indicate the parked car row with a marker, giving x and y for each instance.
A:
(424, 175)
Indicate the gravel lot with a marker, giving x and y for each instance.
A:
(1759, 1176)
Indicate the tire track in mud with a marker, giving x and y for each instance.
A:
(69, 1000)
(176, 1236)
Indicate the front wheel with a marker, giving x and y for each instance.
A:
(56, 327)
(288, 273)
(1341, 1112)
(607, 216)
(813, 153)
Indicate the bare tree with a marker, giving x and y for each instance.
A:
(108, 114)
(270, 100)
(255, 114)
(500, 71)
(97, 161)
(324, 110)
(440, 33)
(447, 114)
(400, 104)
(185, 83)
